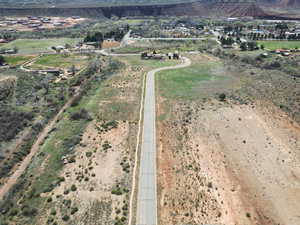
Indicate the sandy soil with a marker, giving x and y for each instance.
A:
(97, 175)
(102, 169)
(229, 164)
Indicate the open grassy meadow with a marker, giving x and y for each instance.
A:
(150, 64)
(33, 46)
(17, 60)
(272, 45)
(184, 83)
(60, 61)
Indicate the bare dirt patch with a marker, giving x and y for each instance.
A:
(224, 162)
(229, 165)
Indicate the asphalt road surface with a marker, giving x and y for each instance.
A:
(147, 194)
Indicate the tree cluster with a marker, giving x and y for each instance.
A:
(226, 40)
(249, 46)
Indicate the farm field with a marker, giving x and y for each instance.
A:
(35, 46)
(61, 61)
(273, 45)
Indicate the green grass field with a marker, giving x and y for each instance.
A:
(60, 61)
(17, 60)
(183, 83)
(33, 46)
(272, 45)
(150, 64)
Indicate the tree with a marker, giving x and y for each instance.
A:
(16, 50)
(2, 60)
(252, 45)
(222, 97)
(73, 70)
(262, 47)
(244, 46)
(68, 46)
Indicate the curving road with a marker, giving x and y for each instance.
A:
(147, 202)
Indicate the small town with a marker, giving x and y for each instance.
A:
(33, 23)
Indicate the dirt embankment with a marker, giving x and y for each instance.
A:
(228, 163)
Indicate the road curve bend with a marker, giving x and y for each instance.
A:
(147, 193)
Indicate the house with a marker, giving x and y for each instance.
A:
(3, 41)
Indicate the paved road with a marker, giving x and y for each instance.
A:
(147, 202)
(169, 39)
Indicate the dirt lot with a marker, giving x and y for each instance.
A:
(227, 162)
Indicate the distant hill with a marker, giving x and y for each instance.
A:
(280, 3)
(83, 3)
(123, 8)
(101, 3)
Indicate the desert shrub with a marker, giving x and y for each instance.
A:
(50, 220)
(83, 114)
(88, 154)
(67, 202)
(65, 218)
(13, 212)
(222, 97)
(29, 212)
(117, 191)
(72, 141)
(73, 187)
(76, 100)
(74, 210)
(53, 212)
(109, 125)
(249, 60)
(272, 65)
(12, 122)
